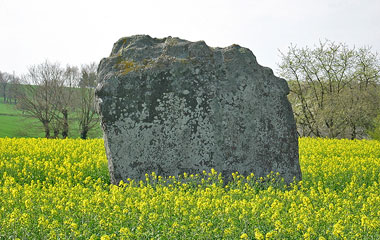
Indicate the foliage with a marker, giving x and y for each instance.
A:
(374, 131)
(334, 90)
(60, 189)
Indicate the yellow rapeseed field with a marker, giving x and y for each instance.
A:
(59, 189)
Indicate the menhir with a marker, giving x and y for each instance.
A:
(171, 106)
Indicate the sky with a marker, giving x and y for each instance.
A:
(78, 32)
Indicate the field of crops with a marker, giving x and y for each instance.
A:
(58, 189)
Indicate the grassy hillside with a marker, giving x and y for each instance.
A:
(7, 108)
(13, 123)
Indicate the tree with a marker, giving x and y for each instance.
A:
(1, 83)
(89, 75)
(334, 90)
(4, 81)
(51, 94)
(87, 115)
(39, 95)
(374, 131)
(66, 100)
(13, 87)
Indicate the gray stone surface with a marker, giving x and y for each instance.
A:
(172, 106)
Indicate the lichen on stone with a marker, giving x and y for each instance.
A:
(127, 66)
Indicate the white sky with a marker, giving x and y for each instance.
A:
(80, 31)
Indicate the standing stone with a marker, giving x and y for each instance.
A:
(171, 106)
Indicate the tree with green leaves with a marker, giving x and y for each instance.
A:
(334, 89)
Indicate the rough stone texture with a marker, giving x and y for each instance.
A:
(172, 106)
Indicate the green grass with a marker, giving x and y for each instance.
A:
(8, 108)
(13, 123)
(7, 126)
(18, 126)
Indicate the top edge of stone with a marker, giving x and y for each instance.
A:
(169, 45)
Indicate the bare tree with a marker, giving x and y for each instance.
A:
(12, 89)
(66, 100)
(334, 89)
(51, 94)
(5, 78)
(39, 95)
(87, 115)
(1, 83)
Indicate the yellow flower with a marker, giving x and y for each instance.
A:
(74, 226)
(338, 229)
(244, 236)
(28, 203)
(105, 237)
(58, 184)
(258, 234)
(269, 234)
(124, 231)
(227, 231)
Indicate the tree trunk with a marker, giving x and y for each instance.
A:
(46, 129)
(84, 132)
(5, 95)
(353, 134)
(56, 133)
(65, 131)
